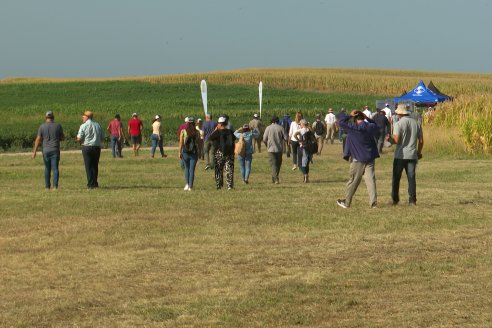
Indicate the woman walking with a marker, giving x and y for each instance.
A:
(223, 139)
(156, 136)
(188, 151)
(293, 142)
(305, 139)
(245, 159)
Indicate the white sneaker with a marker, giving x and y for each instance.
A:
(294, 168)
(187, 187)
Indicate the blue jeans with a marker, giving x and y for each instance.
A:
(189, 160)
(245, 165)
(156, 141)
(303, 159)
(115, 146)
(51, 160)
(409, 165)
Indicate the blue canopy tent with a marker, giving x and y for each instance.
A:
(422, 96)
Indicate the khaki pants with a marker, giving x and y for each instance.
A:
(356, 172)
(330, 131)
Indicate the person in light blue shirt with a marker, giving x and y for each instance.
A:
(245, 161)
(90, 136)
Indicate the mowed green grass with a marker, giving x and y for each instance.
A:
(140, 251)
(24, 105)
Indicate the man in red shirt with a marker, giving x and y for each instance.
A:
(135, 127)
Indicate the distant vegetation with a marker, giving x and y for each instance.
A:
(236, 93)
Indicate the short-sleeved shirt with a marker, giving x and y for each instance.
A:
(134, 124)
(114, 128)
(409, 132)
(51, 133)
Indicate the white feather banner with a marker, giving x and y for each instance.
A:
(203, 87)
(260, 92)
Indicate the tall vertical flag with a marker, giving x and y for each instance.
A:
(203, 87)
(260, 92)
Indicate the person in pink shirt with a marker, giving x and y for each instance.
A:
(115, 130)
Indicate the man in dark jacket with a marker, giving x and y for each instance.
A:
(361, 150)
(384, 128)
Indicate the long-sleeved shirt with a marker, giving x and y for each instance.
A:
(274, 137)
(90, 134)
(361, 139)
(247, 137)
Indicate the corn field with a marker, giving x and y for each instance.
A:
(470, 112)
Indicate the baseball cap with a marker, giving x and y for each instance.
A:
(49, 114)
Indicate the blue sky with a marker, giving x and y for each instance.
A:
(106, 38)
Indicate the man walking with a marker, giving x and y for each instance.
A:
(384, 128)
(361, 150)
(319, 128)
(285, 123)
(90, 136)
(274, 138)
(409, 140)
(257, 124)
(115, 129)
(49, 134)
(331, 125)
(208, 146)
(135, 127)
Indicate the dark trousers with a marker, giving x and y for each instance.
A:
(295, 147)
(208, 148)
(275, 164)
(91, 156)
(409, 165)
(380, 142)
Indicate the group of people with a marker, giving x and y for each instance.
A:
(135, 128)
(362, 148)
(217, 142)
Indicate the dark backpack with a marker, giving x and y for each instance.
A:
(227, 143)
(190, 144)
(320, 129)
(309, 142)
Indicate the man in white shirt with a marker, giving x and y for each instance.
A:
(331, 127)
(367, 112)
(387, 111)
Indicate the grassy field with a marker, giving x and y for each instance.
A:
(140, 251)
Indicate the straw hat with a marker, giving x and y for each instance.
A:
(402, 110)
